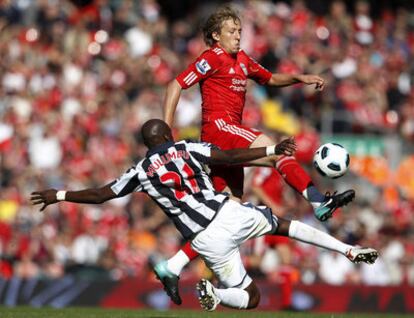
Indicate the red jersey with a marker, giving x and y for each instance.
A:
(223, 78)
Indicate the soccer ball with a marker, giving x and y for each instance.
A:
(331, 160)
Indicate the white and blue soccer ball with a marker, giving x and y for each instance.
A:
(331, 160)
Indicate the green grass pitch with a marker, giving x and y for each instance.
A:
(28, 312)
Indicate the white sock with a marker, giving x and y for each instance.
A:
(176, 263)
(233, 297)
(305, 233)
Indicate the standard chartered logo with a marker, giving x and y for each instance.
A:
(236, 81)
(238, 85)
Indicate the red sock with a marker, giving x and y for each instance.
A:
(293, 173)
(189, 251)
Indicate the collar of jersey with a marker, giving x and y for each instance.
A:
(225, 52)
(161, 148)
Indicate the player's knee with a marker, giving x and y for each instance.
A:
(254, 296)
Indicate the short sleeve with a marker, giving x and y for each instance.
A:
(257, 72)
(201, 151)
(127, 183)
(200, 69)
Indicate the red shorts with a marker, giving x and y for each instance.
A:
(228, 136)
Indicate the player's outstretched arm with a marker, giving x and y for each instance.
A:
(236, 156)
(172, 95)
(92, 196)
(281, 80)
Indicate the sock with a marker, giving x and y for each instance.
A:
(305, 233)
(313, 196)
(176, 263)
(299, 179)
(293, 173)
(233, 297)
(189, 251)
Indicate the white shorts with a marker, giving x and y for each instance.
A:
(219, 243)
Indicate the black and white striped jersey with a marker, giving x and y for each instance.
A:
(173, 176)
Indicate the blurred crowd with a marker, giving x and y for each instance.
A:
(77, 82)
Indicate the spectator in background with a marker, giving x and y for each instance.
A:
(88, 247)
(334, 271)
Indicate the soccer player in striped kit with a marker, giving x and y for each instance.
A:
(173, 175)
(222, 72)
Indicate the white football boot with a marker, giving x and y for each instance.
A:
(206, 295)
(362, 254)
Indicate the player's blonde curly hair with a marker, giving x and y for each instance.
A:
(215, 22)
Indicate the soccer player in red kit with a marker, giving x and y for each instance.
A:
(222, 72)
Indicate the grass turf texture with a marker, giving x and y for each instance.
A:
(28, 312)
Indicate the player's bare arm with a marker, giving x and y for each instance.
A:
(91, 196)
(281, 80)
(236, 156)
(172, 95)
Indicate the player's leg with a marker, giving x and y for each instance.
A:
(228, 179)
(210, 296)
(308, 234)
(219, 245)
(298, 178)
(228, 136)
(225, 179)
(240, 291)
